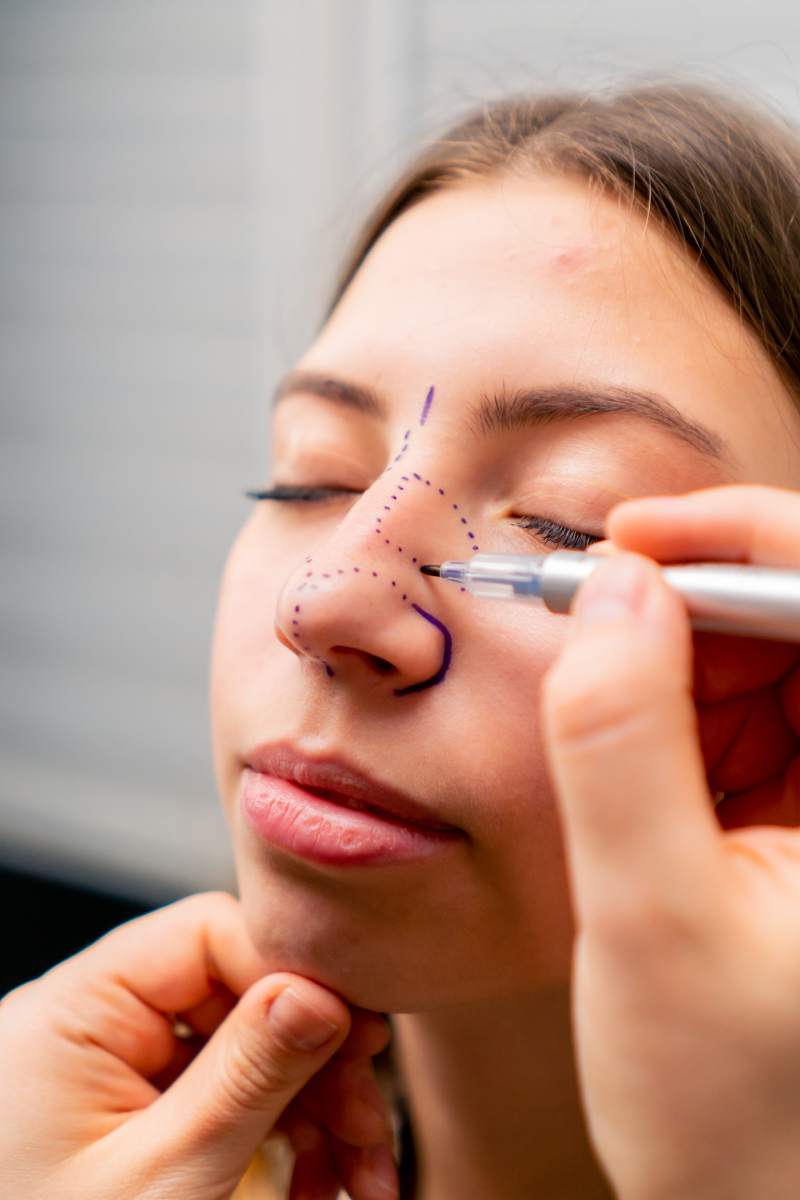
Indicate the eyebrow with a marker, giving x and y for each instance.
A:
(508, 411)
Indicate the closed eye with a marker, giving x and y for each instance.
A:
(558, 535)
(285, 491)
(551, 532)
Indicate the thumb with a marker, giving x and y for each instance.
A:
(622, 747)
(282, 1031)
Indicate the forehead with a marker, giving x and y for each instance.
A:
(542, 280)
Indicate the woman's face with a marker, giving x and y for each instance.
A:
(520, 349)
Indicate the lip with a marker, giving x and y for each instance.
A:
(337, 776)
(327, 811)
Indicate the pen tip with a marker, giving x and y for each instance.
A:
(429, 569)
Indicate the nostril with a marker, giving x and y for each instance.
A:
(381, 665)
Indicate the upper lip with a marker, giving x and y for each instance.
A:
(337, 776)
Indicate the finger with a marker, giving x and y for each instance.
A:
(774, 803)
(344, 1097)
(735, 523)
(213, 1118)
(729, 666)
(314, 1172)
(754, 742)
(368, 1173)
(208, 1015)
(370, 1033)
(185, 1052)
(621, 741)
(128, 985)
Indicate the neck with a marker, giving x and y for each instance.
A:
(493, 1099)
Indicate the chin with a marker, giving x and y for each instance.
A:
(371, 959)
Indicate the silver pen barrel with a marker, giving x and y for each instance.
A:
(722, 597)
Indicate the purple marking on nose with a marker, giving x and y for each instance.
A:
(375, 574)
(405, 597)
(476, 548)
(394, 583)
(399, 549)
(427, 483)
(297, 608)
(339, 571)
(416, 476)
(394, 497)
(295, 621)
(328, 668)
(441, 491)
(463, 520)
(413, 560)
(407, 434)
(462, 589)
(405, 477)
(325, 575)
(447, 653)
(455, 506)
(309, 574)
(426, 408)
(386, 506)
(470, 535)
(356, 569)
(388, 543)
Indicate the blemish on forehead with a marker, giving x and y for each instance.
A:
(567, 260)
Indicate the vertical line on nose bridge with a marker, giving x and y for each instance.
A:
(426, 408)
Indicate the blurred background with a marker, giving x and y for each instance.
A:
(177, 179)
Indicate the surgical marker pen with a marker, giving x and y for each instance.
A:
(736, 598)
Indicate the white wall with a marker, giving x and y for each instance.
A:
(176, 180)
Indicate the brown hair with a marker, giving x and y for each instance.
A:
(722, 176)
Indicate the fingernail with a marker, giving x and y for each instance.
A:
(384, 1183)
(614, 590)
(297, 1023)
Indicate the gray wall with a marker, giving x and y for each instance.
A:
(176, 179)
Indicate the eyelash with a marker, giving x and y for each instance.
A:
(549, 531)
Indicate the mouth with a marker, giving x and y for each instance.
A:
(334, 780)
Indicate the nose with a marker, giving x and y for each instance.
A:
(359, 606)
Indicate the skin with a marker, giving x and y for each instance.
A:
(518, 281)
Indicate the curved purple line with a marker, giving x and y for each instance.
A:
(447, 654)
(426, 407)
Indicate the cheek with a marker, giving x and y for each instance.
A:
(243, 632)
(520, 819)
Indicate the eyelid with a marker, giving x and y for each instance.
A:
(316, 459)
(576, 486)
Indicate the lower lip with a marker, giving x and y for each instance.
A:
(287, 816)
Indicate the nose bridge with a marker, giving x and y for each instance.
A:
(361, 590)
(407, 517)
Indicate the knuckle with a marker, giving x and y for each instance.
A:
(650, 930)
(624, 689)
(588, 698)
(254, 1072)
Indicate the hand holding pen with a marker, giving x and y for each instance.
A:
(688, 918)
